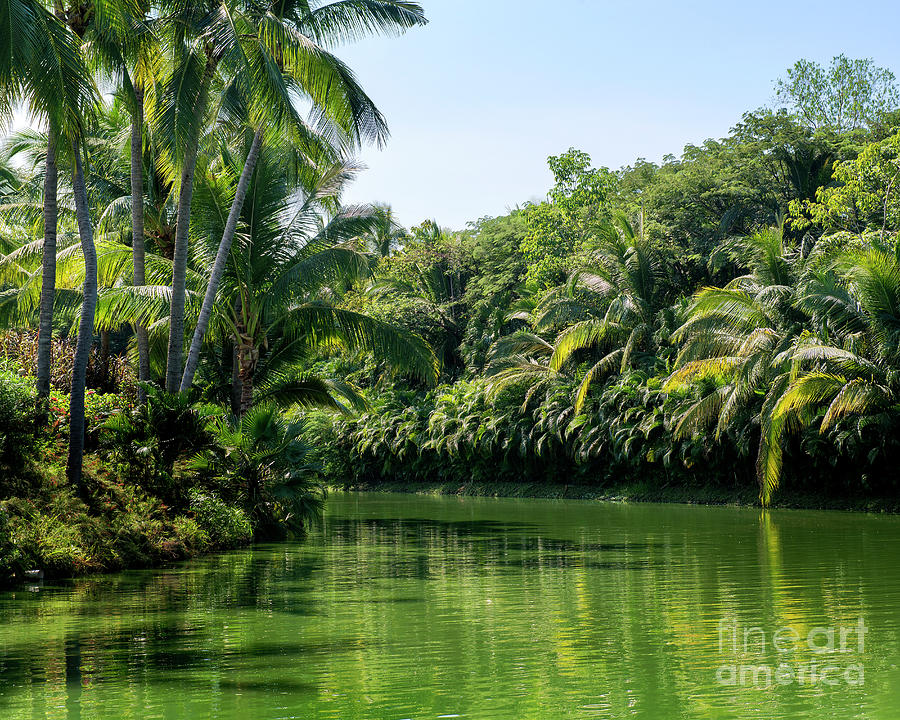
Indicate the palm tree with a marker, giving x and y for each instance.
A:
(265, 453)
(606, 313)
(85, 326)
(277, 304)
(42, 64)
(750, 347)
(23, 268)
(846, 376)
(130, 50)
(435, 284)
(277, 301)
(274, 51)
(387, 235)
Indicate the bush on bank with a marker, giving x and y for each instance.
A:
(149, 497)
(626, 434)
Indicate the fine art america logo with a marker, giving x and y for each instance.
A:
(823, 656)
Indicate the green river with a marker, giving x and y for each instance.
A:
(415, 607)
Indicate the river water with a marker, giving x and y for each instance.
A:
(404, 607)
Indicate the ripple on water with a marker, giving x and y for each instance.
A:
(438, 608)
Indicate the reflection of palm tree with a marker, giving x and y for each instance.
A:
(72, 650)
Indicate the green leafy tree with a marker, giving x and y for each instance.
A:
(849, 94)
(564, 226)
(865, 195)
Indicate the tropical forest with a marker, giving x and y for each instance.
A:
(267, 451)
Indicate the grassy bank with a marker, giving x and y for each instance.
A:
(635, 492)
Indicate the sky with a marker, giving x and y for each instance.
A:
(480, 97)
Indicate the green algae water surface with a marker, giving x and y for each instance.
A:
(403, 607)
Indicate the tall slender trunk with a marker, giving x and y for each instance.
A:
(48, 269)
(180, 255)
(137, 230)
(218, 268)
(85, 328)
(236, 386)
(246, 370)
(247, 358)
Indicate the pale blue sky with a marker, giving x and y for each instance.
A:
(479, 98)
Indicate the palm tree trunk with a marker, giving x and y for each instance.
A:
(218, 269)
(137, 230)
(248, 355)
(48, 270)
(180, 255)
(85, 329)
(236, 386)
(246, 390)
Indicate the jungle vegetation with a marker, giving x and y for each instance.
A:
(172, 248)
(727, 318)
(198, 335)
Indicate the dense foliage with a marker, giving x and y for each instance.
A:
(172, 252)
(727, 318)
(198, 336)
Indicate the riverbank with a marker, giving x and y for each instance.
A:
(637, 492)
(47, 530)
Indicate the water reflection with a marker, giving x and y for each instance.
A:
(402, 607)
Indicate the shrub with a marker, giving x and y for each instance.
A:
(10, 557)
(17, 398)
(226, 526)
(147, 441)
(50, 539)
(261, 461)
(189, 533)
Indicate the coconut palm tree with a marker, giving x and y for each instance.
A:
(277, 299)
(387, 235)
(606, 314)
(42, 64)
(435, 285)
(276, 51)
(85, 337)
(130, 52)
(277, 304)
(846, 375)
(793, 342)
